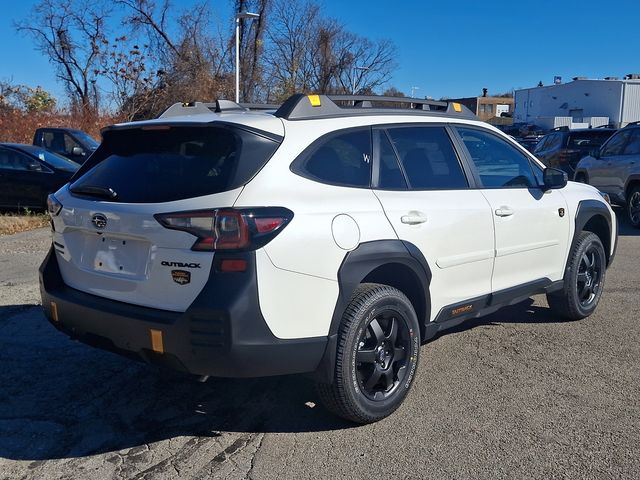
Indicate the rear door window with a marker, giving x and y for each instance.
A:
(616, 144)
(341, 159)
(428, 158)
(168, 163)
(633, 147)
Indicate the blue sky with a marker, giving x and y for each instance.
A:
(446, 48)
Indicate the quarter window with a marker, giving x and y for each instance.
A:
(342, 159)
(428, 158)
(499, 164)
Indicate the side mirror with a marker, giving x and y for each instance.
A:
(595, 153)
(34, 167)
(77, 151)
(554, 178)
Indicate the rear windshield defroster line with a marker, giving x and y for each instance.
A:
(153, 166)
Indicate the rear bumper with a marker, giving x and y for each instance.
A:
(221, 334)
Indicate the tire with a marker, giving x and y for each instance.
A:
(375, 367)
(583, 279)
(633, 207)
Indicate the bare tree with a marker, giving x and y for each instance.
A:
(184, 61)
(288, 53)
(309, 52)
(71, 33)
(371, 63)
(147, 16)
(124, 64)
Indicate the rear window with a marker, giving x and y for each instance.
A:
(588, 139)
(173, 163)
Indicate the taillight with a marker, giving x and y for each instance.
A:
(229, 229)
(53, 205)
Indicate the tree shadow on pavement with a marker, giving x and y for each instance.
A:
(62, 399)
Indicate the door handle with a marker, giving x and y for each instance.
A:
(413, 218)
(504, 211)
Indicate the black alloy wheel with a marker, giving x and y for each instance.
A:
(583, 280)
(381, 359)
(377, 355)
(589, 275)
(633, 207)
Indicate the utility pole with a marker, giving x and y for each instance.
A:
(240, 16)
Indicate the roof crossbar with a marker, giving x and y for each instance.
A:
(299, 107)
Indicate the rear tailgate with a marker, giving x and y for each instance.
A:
(120, 251)
(106, 238)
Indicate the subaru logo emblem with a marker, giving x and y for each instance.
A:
(99, 221)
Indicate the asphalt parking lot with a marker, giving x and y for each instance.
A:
(517, 394)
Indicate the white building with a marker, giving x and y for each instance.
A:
(583, 101)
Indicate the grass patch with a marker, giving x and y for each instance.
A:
(11, 223)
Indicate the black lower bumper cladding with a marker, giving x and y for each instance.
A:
(223, 333)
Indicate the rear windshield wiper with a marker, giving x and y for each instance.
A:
(95, 191)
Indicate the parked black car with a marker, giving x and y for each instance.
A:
(29, 173)
(563, 148)
(74, 144)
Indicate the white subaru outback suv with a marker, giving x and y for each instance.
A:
(330, 237)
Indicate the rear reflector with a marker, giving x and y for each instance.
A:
(233, 265)
(54, 312)
(157, 344)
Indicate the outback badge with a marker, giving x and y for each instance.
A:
(181, 277)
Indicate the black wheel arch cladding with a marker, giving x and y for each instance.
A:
(396, 263)
(594, 216)
(380, 261)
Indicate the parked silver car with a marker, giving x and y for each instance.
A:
(614, 169)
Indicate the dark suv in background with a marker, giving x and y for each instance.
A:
(615, 169)
(74, 144)
(563, 148)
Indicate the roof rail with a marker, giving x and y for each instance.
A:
(563, 128)
(304, 107)
(631, 124)
(260, 106)
(198, 108)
